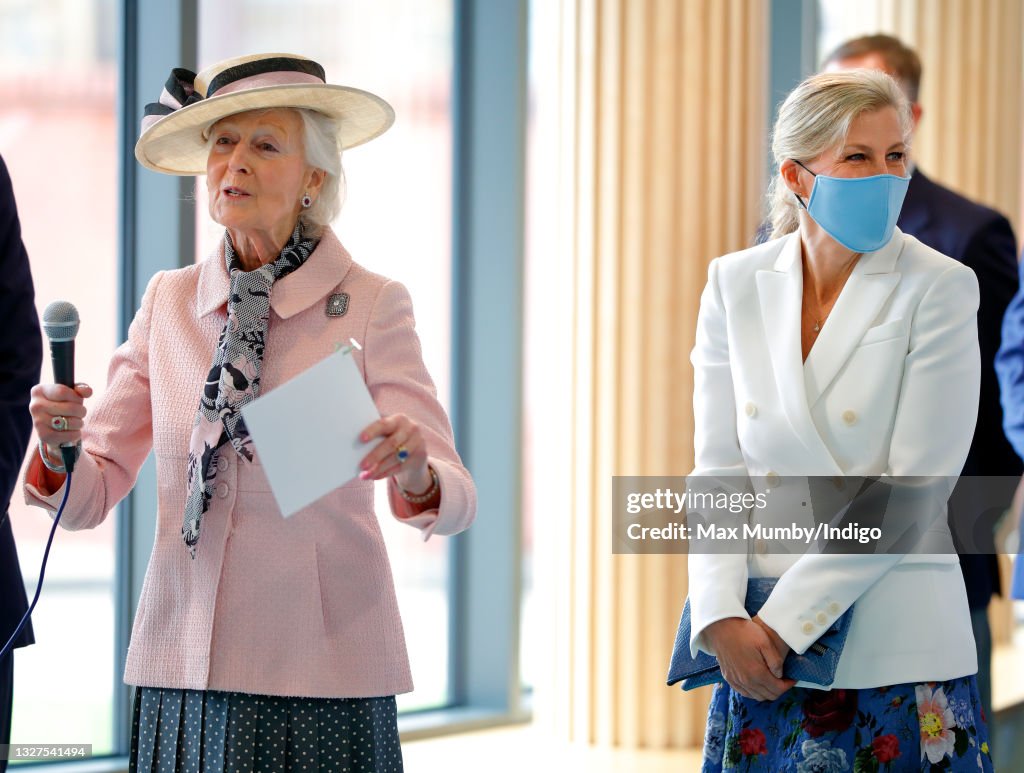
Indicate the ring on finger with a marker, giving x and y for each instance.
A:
(401, 453)
(59, 423)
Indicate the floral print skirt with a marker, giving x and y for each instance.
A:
(936, 726)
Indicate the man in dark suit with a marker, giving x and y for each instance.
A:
(21, 354)
(981, 238)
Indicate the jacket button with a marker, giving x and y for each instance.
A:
(222, 463)
(839, 482)
(849, 418)
(821, 618)
(807, 628)
(222, 490)
(833, 608)
(751, 410)
(772, 479)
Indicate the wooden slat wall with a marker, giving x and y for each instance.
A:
(664, 109)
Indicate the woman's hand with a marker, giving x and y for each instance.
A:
(750, 660)
(777, 641)
(397, 431)
(50, 401)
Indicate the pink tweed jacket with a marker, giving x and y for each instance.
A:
(303, 606)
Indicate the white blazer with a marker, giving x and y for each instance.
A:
(890, 387)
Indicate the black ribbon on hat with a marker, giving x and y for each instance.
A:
(181, 87)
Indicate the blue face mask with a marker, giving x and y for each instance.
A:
(858, 212)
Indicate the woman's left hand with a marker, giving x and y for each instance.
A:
(397, 432)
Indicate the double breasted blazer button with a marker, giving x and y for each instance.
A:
(772, 479)
(222, 490)
(820, 617)
(807, 628)
(849, 418)
(833, 608)
(222, 463)
(750, 409)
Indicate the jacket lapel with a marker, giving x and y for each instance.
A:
(780, 293)
(324, 270)
(868, 288)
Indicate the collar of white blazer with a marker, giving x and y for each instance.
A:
(800, 384)
(881, 261)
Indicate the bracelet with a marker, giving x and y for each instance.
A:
(426, 496)
(60, 469)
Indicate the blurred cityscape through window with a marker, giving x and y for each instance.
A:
(58, 136)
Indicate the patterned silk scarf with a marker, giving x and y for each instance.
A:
(234, 378)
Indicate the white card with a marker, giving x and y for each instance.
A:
(306, 431)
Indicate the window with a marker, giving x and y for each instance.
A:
(548, 307)
(841, 21)
(58, 138)
(401, 50)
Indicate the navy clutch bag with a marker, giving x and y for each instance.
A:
(816, 666)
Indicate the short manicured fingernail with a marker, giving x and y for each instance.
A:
(364, 475)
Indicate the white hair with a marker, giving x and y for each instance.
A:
(320, 139)
(815, 118)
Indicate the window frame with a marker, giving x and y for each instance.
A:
(159, 207)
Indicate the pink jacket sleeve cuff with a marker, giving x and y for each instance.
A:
(86, 507)
(458, 502)
(34, 495)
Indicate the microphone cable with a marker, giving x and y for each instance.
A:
(42, 570)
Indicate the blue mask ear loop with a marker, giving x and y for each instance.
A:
(812, 175)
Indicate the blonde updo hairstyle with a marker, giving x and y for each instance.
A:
(815, 118)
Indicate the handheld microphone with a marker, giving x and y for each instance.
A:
(60, 323)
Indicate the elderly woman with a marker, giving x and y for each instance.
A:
(840, 348)
(260, 643)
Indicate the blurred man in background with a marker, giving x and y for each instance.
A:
(982, 239)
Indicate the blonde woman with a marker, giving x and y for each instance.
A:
(840, 348)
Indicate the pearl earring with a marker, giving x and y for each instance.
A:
(307, 202)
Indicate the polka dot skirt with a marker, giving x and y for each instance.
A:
(195, 731)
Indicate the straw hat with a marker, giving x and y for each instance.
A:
(173, 139)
